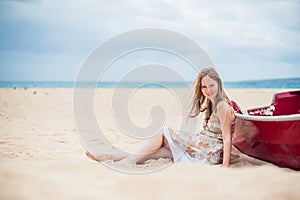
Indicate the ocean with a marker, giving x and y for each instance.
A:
(274, 83)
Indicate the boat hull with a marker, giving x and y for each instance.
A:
(275, 141)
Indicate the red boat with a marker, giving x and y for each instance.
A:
(271, 133)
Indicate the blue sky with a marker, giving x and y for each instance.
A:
(247, 40)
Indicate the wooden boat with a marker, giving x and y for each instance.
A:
(271, 133)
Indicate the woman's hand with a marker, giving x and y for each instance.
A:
(225, 165)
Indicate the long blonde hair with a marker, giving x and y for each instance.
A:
(200, 103)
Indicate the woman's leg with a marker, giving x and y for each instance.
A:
(149, 150)
(156, 147)
(110, 156)
(163, 152)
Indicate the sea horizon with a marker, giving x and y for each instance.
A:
(264, 83)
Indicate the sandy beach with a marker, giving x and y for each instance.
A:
(41, 155)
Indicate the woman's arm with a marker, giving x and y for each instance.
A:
(226, 117)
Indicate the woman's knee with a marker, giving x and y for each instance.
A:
(157, 140)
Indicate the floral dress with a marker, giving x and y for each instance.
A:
(205, 146)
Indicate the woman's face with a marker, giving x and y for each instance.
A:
(209, 88)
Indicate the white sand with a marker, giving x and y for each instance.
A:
(41, 156)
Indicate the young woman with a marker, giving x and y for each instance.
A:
(212, 145)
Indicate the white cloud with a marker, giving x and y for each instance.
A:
(258, 35)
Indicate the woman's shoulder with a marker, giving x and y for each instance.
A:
(224, 107)
(224, 111)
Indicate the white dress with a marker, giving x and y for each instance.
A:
(205, 146)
